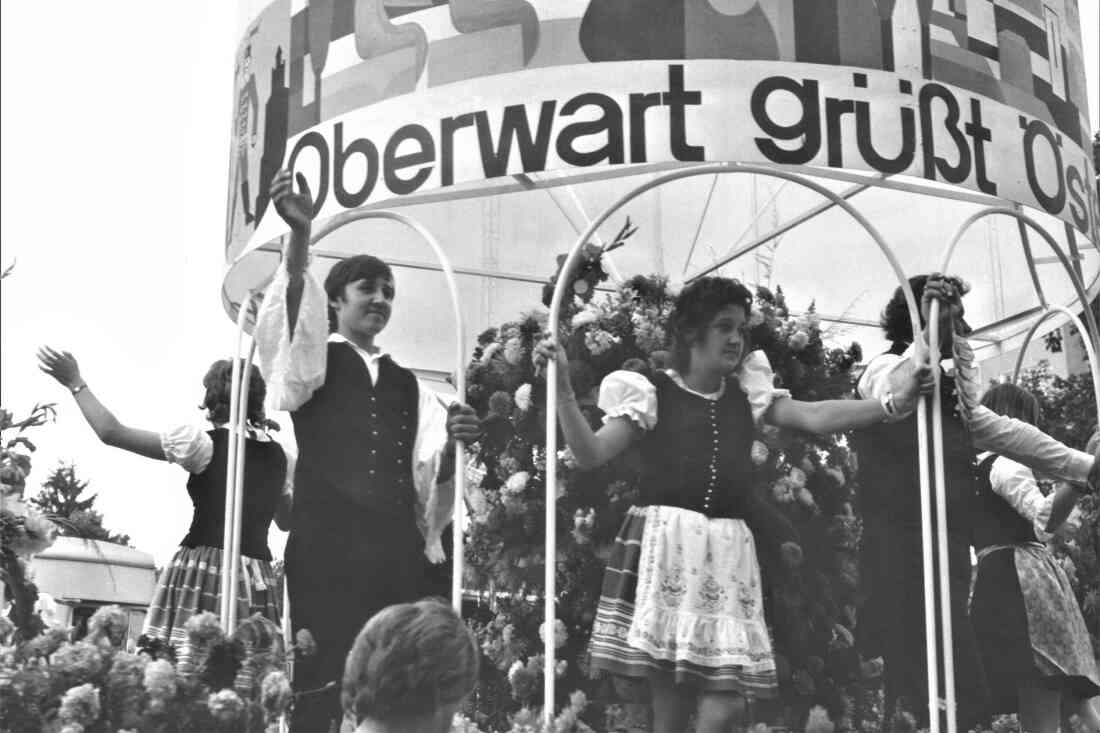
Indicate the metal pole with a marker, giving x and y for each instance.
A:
(240, 436)
(228, 592)
(551, 402)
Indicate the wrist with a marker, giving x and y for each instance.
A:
(889, 407)
(77, 386)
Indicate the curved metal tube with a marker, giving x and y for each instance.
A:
(1093, 332)
(459, 514)
(551, 413)
(1090, 350)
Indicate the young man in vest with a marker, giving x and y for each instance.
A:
(891, 623)
(373, 487)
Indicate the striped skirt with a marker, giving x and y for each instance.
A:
(191, 584)
(682, 602)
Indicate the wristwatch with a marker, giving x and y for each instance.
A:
(78, 388)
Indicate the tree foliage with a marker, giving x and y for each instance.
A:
(61, 500)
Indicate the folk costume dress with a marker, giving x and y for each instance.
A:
(191, 584)
(682, 597)
(891, 620)
(1024, 611)
(368, 515)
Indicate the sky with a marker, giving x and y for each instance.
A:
(114, 137)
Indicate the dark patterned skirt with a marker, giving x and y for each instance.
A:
(681, 602)
(1028, 625)
(191, 584)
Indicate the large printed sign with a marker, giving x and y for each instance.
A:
(372, 100)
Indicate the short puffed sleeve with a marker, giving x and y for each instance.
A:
(630, 394)
(757, 381)
(189, 446)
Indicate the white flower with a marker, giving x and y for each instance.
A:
(560, 667)
(522, 397)
(585, 316)
(759, 453)
(798, 340)
(517, 482)
(598, 341)
(798, 478)
(561, 635)
(489, 353)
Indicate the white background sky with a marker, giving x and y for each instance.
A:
(115, 121)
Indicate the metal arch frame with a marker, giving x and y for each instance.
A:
(1089, 348)
(238, 416)
(1088, 328)
(550, 593)
(1023, 222)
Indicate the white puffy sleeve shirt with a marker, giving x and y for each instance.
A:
(1015, 483)
(1006, 436)
(294, 368)
(630, 394)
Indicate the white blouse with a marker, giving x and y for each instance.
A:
(295, 368)
(630, 394)
(190, 447)
(989, 431)
(1015, 483)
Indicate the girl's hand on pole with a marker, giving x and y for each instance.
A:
(61, 365)
(545, 350)
(921, 382)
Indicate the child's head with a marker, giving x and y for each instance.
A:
(411, 662)
(1013, 401)
(375, 275)
(218, 386)
(696, 308)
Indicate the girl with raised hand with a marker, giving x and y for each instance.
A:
(191, 584)
(681, 603)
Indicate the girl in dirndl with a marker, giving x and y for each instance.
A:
(681, 604)
(191, 584)
(1033, 640)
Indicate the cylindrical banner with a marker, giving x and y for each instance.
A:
(375, 100)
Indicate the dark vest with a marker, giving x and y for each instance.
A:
(697, 457)
(264, 477)
(995, 521)
(355, 446)
(889, 468)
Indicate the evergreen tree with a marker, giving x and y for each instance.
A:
(60, 499)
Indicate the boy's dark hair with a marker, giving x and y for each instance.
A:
(409, 660)
(696, 307)
(895, 316)
(218, 385)
(1013, 401)
(348, 270)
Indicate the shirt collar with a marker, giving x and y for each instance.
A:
(679, 380)
(338, 338)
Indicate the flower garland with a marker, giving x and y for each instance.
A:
(233, 683)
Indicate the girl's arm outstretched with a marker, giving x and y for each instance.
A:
(63, 367)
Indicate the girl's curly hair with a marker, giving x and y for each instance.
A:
(696, 306)
(218, 383)
(409, 660)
